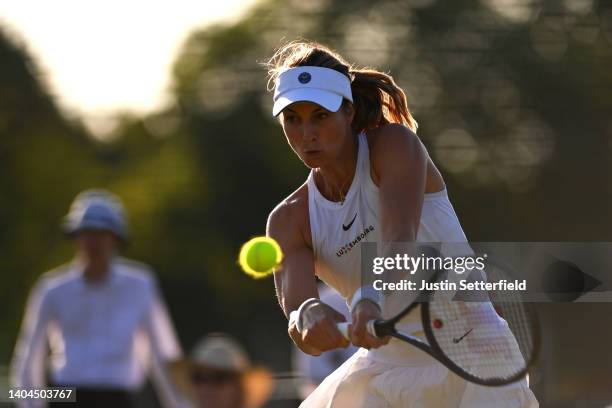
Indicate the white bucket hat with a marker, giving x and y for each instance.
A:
(323, 86)
(96, 209)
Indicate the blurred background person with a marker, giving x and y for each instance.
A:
(312, 370)
(218, 374)
(101, 315)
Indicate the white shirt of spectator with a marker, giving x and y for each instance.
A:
(102, 334)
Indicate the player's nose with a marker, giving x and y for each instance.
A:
(309, 132)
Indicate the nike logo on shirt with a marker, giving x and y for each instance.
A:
(346, 227)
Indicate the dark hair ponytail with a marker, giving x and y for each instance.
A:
(378, 100)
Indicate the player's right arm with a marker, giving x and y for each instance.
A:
(295, 281)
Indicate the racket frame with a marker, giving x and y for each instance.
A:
(382, 328)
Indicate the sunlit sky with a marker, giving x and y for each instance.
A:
(100, 57)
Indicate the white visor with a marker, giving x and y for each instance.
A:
(324, 86)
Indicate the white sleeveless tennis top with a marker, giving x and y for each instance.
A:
(337, 229)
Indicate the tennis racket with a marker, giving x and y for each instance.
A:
(489, 342)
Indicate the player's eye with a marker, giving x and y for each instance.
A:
(322, 115)
(290, 118)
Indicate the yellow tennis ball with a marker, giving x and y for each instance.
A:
(259, 256)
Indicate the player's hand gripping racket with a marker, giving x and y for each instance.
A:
(489, 342)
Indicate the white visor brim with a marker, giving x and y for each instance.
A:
(326, 99)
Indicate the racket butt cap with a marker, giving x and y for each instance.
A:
(372, 328)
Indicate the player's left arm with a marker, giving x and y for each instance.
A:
(399, 166)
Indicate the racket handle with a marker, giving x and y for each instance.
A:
(344, 328)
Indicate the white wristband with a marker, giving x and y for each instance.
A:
(366, 292)
(296, 315)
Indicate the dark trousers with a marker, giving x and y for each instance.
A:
(99, 398)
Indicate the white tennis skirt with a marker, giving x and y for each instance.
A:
(365, 381)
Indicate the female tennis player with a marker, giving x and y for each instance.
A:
(372, 178)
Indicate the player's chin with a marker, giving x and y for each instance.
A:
(313, 160)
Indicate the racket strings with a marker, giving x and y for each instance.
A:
(486, 339)
(481, 347)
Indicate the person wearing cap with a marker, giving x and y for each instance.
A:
(101, 316)
(219, 374)
(371, 180)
